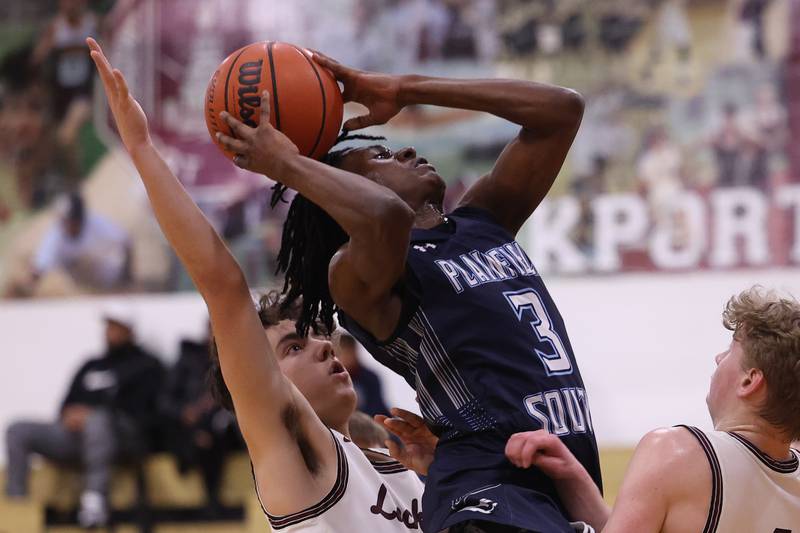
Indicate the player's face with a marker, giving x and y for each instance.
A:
(725, 380)
(311, 365)
(410, 176)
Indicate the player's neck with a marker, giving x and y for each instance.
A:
(762, 435)
(429, 216)
(341, 427)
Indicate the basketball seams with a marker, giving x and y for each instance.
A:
(275, 107)
(324, 102)
(242, 72)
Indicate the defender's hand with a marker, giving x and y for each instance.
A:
(377, 92)
(131, 120)
(544, 451)
(419, 444)
(263, 149)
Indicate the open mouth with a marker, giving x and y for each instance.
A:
(338, 368)
(422, 162)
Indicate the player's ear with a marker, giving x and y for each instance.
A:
(751, 383)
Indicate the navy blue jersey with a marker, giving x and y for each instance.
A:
(484, 346)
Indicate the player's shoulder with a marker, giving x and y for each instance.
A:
(475, 213)
(672, 449)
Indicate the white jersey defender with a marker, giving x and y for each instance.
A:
(375, 494)
(751, 492)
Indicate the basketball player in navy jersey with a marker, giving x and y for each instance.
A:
(450, 302)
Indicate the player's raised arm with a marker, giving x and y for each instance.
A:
(377, 221)
(271, 411)
(525, 171)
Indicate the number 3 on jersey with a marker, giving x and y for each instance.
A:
(555, 359)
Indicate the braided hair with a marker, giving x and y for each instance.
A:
(310, 239)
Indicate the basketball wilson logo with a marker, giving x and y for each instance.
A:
(249, 98)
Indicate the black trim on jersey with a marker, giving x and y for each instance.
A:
(715, 508)
(782, 467)
(331, 499)
(389, 469)
(389, 466)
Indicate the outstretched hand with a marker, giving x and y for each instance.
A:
(131, 120)
(379, 93)
(262, 149)
(544, 451)
(419, 444)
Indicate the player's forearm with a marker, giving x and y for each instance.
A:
(535, 106)
(583, 500)
(197, 244)
(361, 207)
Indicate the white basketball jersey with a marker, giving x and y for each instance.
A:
(368, 496)
(751, 492)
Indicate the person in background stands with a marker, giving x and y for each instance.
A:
(197, 430)
(106, 415)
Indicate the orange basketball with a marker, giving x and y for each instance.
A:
(306, 104)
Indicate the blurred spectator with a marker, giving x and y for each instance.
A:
(751, 29)
(434, 31)
(731, 146)
(659, 171)
(673, 34)
(585, 188)
(767, 120)
(62, 53)
(197, 430)
(92, 250)
(619, 23)
(26, 142)
(367, 433)
(365, 382)
(472, 33)
(106, 416)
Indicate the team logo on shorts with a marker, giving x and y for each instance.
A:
(424, 247)
(472, 502)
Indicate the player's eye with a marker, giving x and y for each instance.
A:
(386, 154)
(294, 348)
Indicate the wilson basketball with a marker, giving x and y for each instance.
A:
(306, 104)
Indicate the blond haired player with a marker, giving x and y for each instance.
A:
(742, 477)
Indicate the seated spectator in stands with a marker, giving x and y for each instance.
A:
(26, 142)
(365, 381)
(91, 249)
(62, 54)
(366, 432)
(197, 430)
(105, 416)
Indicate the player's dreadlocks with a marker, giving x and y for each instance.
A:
(310, 239)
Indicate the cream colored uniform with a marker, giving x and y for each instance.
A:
(751, 492)
(368, 496)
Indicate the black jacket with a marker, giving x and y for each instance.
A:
(125, 379)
